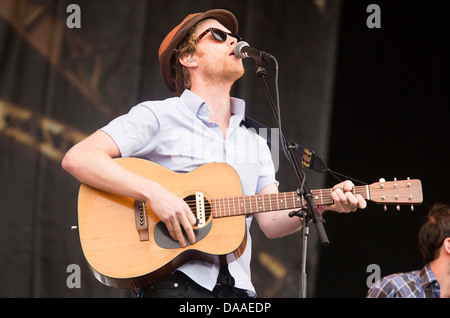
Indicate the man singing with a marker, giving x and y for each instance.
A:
(198, 64)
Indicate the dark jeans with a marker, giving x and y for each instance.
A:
(178, 285)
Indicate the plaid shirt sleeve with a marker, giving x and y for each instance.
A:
(415, 284)
(387, 287)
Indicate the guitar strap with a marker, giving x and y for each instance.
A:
(225, 277)
(307, 157)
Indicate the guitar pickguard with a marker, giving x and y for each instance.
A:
(164, 240)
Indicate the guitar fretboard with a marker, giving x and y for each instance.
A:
(245, 205)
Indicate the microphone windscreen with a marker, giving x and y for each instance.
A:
(238, 49)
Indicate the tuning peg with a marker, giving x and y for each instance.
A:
(398, 207)
(412, 208)
(385, 208)
(409, 183)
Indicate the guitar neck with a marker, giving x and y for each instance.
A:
(247, 205)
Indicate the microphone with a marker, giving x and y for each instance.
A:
(243, 50)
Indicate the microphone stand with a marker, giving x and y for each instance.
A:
(309, 212)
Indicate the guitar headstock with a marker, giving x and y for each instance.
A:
(397, 192)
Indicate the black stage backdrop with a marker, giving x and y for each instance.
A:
(368, 101)
(391, 95)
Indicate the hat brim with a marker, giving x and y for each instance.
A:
(173, 39)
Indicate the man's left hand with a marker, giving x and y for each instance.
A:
(344, 199)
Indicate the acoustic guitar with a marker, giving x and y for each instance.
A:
(127, 246)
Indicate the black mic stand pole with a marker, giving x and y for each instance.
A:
(309, 212)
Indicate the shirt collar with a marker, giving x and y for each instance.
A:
(194, 103)
(427, 276)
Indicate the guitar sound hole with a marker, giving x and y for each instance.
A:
(163, 238)
(191, 201)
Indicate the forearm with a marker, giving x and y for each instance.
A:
(278, 224)
(95, 166)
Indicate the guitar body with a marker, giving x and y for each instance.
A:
(111, 243)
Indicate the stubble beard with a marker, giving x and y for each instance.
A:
(223, 71)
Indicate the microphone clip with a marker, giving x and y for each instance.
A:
(260, 69)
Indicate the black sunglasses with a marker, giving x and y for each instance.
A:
(218, 35)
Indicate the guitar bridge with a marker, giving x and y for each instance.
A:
(199, 202)
(140, 215)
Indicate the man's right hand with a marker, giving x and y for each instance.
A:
(175, 213)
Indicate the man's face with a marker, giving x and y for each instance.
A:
(216, 60)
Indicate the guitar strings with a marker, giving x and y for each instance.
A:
(273, 198)
(228, 205)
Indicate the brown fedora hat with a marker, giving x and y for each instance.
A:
(170, 43)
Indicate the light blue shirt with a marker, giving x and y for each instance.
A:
(177, 134)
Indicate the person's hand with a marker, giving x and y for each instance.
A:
(175, 213)
(344, 200)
